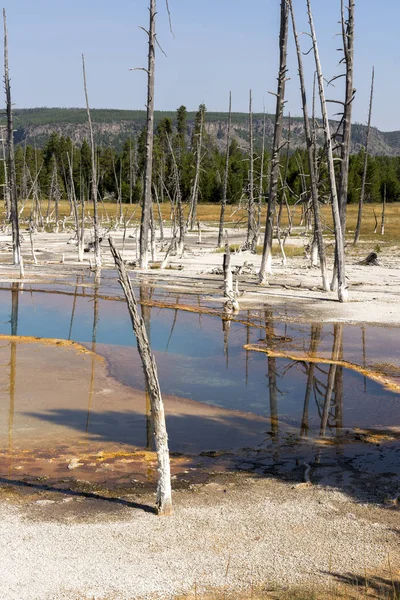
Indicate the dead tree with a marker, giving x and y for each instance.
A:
(347, 26)
(251, 224)
(364, 177)
(10, 154)
(97, 252)
(226, 175)
(342, 288)
(266, 262)
(348, 49)
(228, 281)
(383, 211)
(147, 197)
(79, 231)
(261, 182)
(179, 206)
(6, 187)
(196, 182)
(311, 159)
(164, 495)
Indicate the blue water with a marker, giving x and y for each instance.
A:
(196, 359)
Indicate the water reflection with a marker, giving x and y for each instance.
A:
(13, 358)
(198, 361)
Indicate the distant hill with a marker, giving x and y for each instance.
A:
(113, 127)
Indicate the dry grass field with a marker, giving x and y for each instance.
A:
(235, 217)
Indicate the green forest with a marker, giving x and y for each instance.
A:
(60, 166)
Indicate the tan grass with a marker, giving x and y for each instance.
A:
(209, 214)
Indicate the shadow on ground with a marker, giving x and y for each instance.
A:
(365, 466)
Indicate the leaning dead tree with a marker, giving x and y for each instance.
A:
(342, 288)
(266, 262)
(97, 251)
(364, 176)
(311, 161)
(164, 494)
(12, 181)
(226, 175)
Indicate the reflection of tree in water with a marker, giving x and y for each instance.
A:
(330, 406)
(93, 347)
(13, 359)
(323, 386)
(272, 374)
(145, 294)
(312, 380)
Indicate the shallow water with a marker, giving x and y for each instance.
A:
(67, 416)
(201, 357)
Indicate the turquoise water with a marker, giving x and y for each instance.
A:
(201, 357)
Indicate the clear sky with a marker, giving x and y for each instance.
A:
(219, 45)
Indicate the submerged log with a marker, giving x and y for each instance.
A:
(164, 495)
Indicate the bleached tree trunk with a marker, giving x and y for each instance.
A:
(383, 211)
(261, 182)
(196, 184)
(342, 288)
(7, 201)
(348, 50)
(266, 262)
(226, 176)
(251, 225)
(311, 160)
(10, 154)
(364, 177)
(74, 204)
(164, 494)
(97, 251)
(179, 206)
(147, 197)
(228, 280)
(160, 219)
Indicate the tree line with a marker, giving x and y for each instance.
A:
(45, 171)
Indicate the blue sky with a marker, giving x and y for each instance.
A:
(219, 45)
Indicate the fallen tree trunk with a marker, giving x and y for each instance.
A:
(164, 497)
(371, 259)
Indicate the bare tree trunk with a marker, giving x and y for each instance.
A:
(97, 251)
(226, 176)
(383, 211)
(251, 226)
(10, 153)
(178, 201)
(364, 177)
(160, 220)
(7, 201)
(196, 183)
(311, 164)
(164, 495)
(348, 49)
(266, 262)
(228, 282)
(261, 183)
(74, 203)
(342, 288)
(147, 199)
